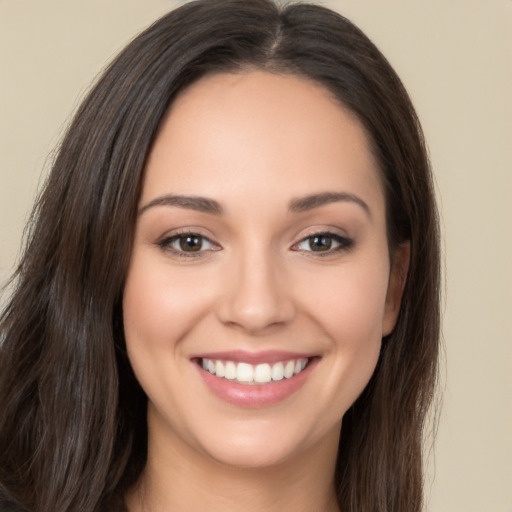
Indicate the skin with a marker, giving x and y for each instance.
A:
(254, 142)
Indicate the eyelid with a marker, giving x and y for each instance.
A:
(344, 242)
(166, 241)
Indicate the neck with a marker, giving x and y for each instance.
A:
(177, 477)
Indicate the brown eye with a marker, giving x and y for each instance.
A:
(190, 243)
(324, 243)
(320, 243)
(187, 244)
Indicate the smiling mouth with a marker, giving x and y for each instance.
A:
(254, 374)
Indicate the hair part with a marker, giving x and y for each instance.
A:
(73, 431)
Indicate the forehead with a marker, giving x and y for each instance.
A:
(258, 131)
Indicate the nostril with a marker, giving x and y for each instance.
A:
(254, 299)
(255, 318)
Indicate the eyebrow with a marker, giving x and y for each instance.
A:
(316, 200)
(200, 204)
(302, 204)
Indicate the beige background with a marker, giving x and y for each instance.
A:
(455, 57)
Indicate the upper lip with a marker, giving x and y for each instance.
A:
(242, 356)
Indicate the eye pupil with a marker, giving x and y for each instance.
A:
(320, 243)
(191, 243)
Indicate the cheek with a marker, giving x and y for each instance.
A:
(349, 302)
(158, 305)
(350, 310)
(144, 317)
(159, 308)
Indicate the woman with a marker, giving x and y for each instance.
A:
(229, 295)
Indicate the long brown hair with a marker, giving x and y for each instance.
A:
(73, 427)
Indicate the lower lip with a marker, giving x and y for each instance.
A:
(255, 395)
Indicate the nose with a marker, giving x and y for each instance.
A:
(257, 295)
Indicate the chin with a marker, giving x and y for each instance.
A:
(255, 453)
(260, 444)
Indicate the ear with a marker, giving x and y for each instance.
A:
(397, 278)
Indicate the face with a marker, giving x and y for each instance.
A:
(259, 287)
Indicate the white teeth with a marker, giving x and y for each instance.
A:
(219, 369)
(230, 370)
(278, 371)
(246, 373)
(288, 369)
(263, 373)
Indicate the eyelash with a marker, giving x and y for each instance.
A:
(166, 244)
(344, 243)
